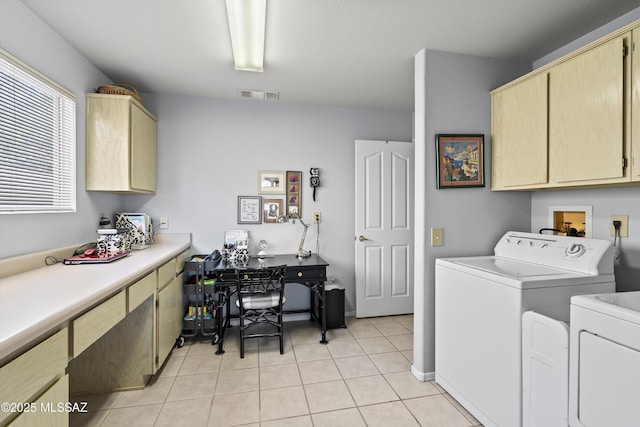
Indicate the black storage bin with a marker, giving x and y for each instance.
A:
(334, 299)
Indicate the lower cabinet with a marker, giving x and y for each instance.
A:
(116, 345)
(49, 410)
(23, 379)
(169, 319)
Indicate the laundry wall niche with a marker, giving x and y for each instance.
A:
(579, 217)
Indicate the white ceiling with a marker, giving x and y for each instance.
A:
(351, 53)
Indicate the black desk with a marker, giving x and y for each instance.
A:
(310, 272)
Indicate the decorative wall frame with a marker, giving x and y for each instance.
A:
(294, 179)
(272, 210)
(249, 210)
(460, 160)
(271, 182)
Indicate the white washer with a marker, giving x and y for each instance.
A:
(604, 380)
(479, 302)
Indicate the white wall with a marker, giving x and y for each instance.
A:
(26, 37)
(605, 201)
(210, 151)
(617, 23)
(452, 96)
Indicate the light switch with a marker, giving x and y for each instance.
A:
(436, 236)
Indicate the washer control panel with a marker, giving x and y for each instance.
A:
(574, 253)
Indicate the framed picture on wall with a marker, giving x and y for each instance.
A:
(249, 210)
(271, 182)
(460, 160)
(272, 210)
(294, 178)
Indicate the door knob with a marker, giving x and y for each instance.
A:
(362, 238)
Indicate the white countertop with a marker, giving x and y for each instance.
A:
(37, 302)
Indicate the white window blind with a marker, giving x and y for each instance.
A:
(37, 141)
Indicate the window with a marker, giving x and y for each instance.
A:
(37, 141)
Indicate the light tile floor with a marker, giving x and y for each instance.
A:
(361, 378)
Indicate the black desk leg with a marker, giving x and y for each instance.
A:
(219, 320)
(324, 315)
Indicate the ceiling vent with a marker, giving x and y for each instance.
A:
(259, 94)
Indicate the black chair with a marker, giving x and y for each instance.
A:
(260, 300)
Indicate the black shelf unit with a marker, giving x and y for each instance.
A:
(200, 293)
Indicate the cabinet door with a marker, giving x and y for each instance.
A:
(519, 140)
(635, 106)
(107, 144)
(143, 150)
(169, 318)
(24, 376)
(586, 96)
(51, 409)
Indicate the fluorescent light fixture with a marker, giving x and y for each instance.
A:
(247, 26)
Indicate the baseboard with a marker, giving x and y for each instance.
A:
(422, 376)
(294, 317)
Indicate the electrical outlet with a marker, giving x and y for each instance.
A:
(164, 222)
(317, 217)
(436, 237)
(624, 225)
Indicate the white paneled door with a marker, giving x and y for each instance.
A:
(384, 228)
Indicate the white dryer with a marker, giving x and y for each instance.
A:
(479, 303)
(604, 380)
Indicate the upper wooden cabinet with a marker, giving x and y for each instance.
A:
(568, 124)
(519, 142)
(586, 116)
(121, 145)
(635, 106)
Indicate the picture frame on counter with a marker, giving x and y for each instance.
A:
(460, 160)
(272, 210)
(249, 210)
(271, 182)
(294, 181)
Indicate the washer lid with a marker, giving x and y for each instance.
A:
(518, 270)
(622, 305)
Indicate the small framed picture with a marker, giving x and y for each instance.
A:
(271, 182)
(294, 178)
(272, 210)
(460, 161)
(249, 210)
